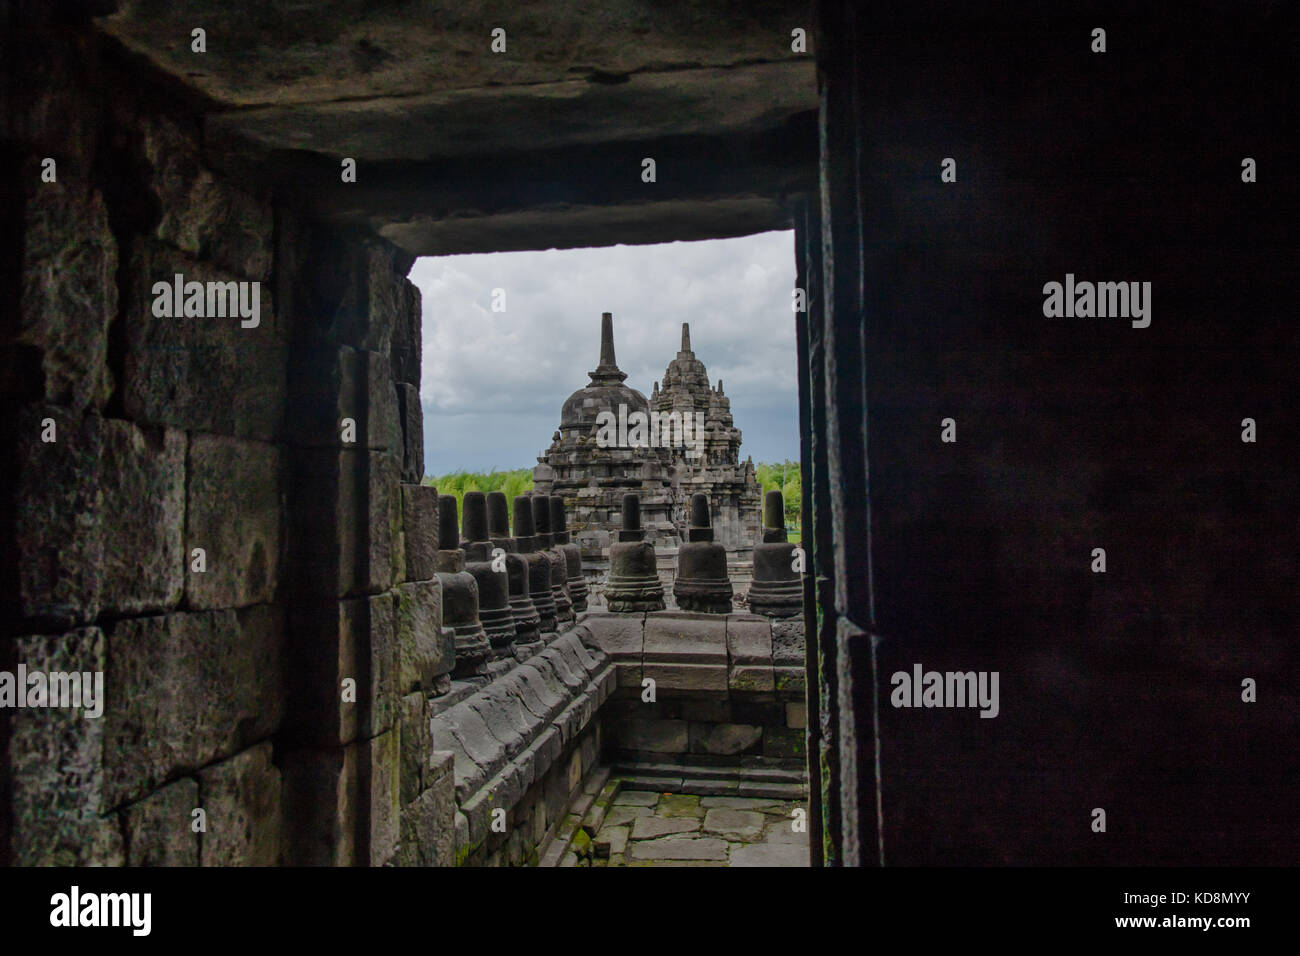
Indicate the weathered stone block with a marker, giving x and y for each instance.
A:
(56, 757)
(334, 384)
(788, 643)
(322, 798)
(698, 639)
(54, 567)
(417, 747)
(368, 630)
(462, 728)
(796, 716)
(242, 799)
(384, 411)
(412, 418)
(621, 636)
(707, 711)
(782, 742)
(188, 689)
(420, 525)
(429, 824)
(234, 511)
(790, 681)
(359, 289)
(725, 739)
(384, 754)
(659, 736)
(407, 336)
(142, 480)
(749, 639)
(747, 679)
(69, 292)
(202, 215)
(688, 677)
(159, 828)
(425, 650)
(385, 547)
(203, 374)
(504, 716)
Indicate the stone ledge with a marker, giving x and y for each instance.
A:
(505, 735)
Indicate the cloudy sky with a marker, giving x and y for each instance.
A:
(493, 382)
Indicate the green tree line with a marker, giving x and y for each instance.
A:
(513, 483)
(784, 477)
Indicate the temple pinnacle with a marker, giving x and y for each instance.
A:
(607, 372)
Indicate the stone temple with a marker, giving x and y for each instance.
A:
(689, 444)
(133, 443)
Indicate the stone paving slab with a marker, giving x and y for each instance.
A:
(649, 827)
(620, 815)
(636, 798)
(742, 825)
(769, 854)
(645, 828)
(676, 848)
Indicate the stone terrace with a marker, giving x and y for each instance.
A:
(644, 828)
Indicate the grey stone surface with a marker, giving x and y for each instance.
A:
(749, 639)
(242, 798)
(429, 824)
(687, 677)
(159, 828)
(636, 798)
(648, 734)
(739, 803)
(417, 747)
(57, 534)
(743, 825)
(234, 510)
(620, 814)
(367, 643)
(408, 344)
(142, 481)
(203, 374)
(385, 547)
(187, 689)
(621, 636)
(788, 642)
(69, 292)
(412, 421)
(56, 757)
(751, 679)
(385, 758)
(690, 639)
(203, 215)
(420, 524)
(769, 854)
(672, 848)
(321, 799)
(725, 739)
(423, 649)
(611, 842)
(650, 827)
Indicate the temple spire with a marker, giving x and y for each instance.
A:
(607, 372)
(686, 336)
(607, 339)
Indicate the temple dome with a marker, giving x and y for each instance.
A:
(605, 391)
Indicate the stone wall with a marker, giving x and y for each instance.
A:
(522, 744)
(728, 713)
(137, 439)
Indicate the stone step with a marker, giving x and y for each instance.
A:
(774, 775)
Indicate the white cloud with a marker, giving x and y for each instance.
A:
(493, 382)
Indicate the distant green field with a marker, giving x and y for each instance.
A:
(512, 483)
(783, 476)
